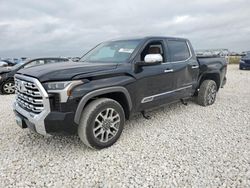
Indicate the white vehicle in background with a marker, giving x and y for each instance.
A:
(3, 64)
(214, 52)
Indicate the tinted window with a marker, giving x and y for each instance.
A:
(178, 50)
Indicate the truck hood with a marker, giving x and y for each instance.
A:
(65, 71)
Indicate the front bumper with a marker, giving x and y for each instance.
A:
(34, 108)
(55, 123)
(36, 120)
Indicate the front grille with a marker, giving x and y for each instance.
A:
(28, 96)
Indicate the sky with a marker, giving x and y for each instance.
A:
(35, 28)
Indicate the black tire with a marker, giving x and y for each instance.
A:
(93, 118)
(8, 87)
(207, 93)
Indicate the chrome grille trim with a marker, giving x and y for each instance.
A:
(32, 102)
(28, 96)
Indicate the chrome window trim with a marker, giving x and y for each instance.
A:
(36, 119)
(151, 98)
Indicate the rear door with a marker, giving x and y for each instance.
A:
(185, 67)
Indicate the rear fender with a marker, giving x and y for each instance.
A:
(215, 76)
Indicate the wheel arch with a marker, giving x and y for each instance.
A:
(119, 94)
(215, 76)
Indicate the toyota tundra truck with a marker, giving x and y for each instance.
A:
(116, 79)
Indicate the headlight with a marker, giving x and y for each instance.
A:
(56, 85)
(63, 88)
(242, 61)
(0, 77)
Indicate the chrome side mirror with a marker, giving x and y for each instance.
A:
(153, 58)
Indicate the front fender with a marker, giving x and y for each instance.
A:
(96, 93)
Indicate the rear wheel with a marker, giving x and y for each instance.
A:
(101, 123)
(8, 87)
(207, 93)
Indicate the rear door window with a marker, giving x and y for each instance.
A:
(178, 50)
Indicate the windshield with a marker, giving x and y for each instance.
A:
(114, 51)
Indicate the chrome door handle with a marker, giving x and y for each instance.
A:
(195, 67)
(168, 70)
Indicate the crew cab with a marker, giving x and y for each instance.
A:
(116, 79)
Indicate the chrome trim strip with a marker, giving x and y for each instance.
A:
(36, 119)
(151, 98)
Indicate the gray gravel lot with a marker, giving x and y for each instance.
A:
(180, 146)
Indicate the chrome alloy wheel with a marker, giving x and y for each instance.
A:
(9, 87)
(106, 125)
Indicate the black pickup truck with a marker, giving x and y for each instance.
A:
(95, 96)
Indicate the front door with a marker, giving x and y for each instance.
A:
(154, 83)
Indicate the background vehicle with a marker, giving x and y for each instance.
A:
(3, 64)
(213, 53)
(245, 61)
(8, 62)
(75, 59)
(110, 83)
(7, 85)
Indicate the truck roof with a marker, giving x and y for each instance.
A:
(148, 37)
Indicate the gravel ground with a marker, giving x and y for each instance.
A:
(189, 146)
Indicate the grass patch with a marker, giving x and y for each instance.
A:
(234, 59)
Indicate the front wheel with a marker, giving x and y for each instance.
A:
(207, 93)
(101, 123)
(8, 87)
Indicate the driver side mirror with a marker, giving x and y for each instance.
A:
(153, 58)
